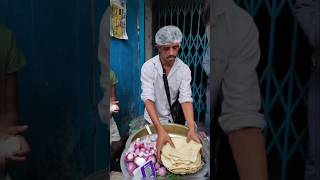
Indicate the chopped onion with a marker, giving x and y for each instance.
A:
(152, 158)
(148, 153)
(131, 167)
(157, 165)
(162, 171)
(136, 152)
(148, 148)
(139, 161)
(141, 146)
(141, 154)
(130, 157)
(136, 145)
(130, 149)
(152, 152)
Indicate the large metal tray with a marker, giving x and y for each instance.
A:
(172, 129)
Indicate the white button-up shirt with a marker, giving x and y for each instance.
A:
(179, 79)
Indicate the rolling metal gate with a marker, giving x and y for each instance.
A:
(283, 73)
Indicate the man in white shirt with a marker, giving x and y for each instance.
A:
(157, 109)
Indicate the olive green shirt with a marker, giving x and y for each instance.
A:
(113, 77)
(11, 58)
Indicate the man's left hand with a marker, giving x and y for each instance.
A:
(20, 155)
(192, 135)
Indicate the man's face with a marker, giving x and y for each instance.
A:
(169, 52)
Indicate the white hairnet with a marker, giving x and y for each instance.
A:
(168, 35)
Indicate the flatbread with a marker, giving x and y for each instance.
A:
(185, 158)
(182, 150)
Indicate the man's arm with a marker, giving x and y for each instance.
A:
(185, 98)
(9, 114)
(148, 97)
(14, 60)
(240, 117)
(9, 119)
(150, 107)
(11, 100)
(8, 102)
(188, 114)
(163, 136)
(113, 93)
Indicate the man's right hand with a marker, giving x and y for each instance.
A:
(114, 108)
(24, 150)
(20, 155)
(163, 138)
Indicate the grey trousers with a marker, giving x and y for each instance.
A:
(312, 170)
(207, 118)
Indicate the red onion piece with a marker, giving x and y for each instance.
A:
(157, 166)
(162, 171)
(131, 167)
(129, 157)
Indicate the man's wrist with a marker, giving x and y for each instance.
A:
(159, 128)
(191, 125)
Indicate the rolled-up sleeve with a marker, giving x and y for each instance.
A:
(241, 92)
(185, 93)
(147, 82)
(308, 15)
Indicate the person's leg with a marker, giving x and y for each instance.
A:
(114, 138)
(248, 149)
(207, 119)
(312, 170)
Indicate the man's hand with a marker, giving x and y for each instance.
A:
(114, 108)
(21, 155)
(7, 159)
(194, 136)
(163, 138)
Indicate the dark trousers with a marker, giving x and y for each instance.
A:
(312, 171)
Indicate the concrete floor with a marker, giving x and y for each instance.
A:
(114, 175)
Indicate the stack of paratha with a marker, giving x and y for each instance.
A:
(185, 158)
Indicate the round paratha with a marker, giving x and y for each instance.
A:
(185, 158)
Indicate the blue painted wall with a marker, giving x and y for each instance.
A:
(127, 57)
(57, 87)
